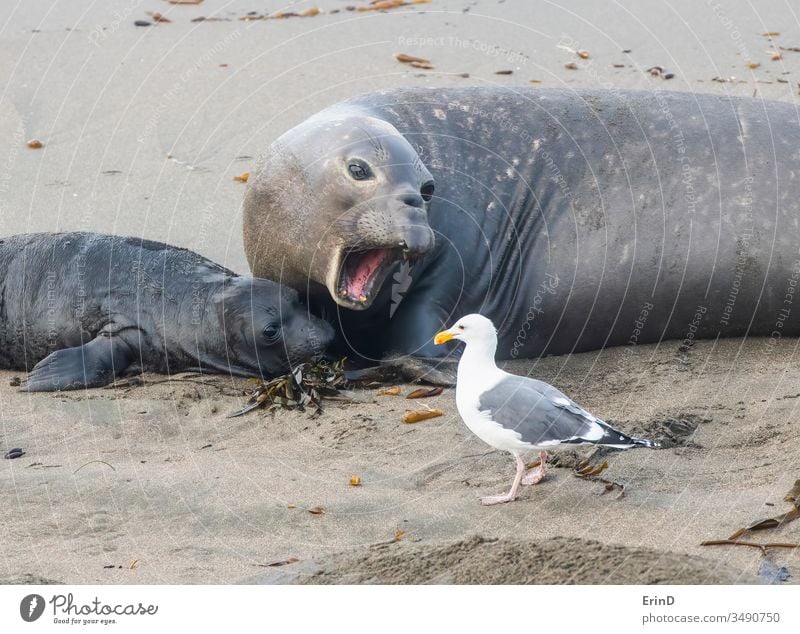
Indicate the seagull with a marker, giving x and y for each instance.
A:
(516, 413)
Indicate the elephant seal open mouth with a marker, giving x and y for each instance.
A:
(338, 202)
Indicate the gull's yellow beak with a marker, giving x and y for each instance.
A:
(443, 336)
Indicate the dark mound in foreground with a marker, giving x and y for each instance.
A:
(27, 579)
(478, 560)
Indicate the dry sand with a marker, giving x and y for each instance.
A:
(143, 130)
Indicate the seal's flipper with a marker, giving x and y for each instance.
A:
(94, 365)
(404, 369)
(425, 370)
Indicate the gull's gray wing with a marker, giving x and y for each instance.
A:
(545, 416)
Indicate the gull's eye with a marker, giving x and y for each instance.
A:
(359, 170)
(461, 327)
(271, 332)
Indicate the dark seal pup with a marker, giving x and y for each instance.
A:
(82, 309)
(574, 220)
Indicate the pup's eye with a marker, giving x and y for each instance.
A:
(426, 191)
(359, 170)
(271, 331)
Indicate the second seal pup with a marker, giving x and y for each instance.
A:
(80, 309)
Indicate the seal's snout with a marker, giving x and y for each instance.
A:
(350, 195)
(388, 235)
(307, 337)
(418, 238)
(319, 334)
(412, 199)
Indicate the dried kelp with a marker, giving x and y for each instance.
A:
(414, 416)
(304, 387)
(586, 471)
(793, 497)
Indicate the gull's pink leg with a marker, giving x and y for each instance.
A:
(512, 494)
(535, 476)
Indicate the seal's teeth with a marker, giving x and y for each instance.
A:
(342, 293)
(362, 299)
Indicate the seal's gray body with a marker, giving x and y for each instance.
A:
(579, 220)
(82, 308)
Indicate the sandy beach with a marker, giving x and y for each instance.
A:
(158, 474)
(144, 129)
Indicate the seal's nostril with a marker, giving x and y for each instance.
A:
(412, 199)
(426, 191)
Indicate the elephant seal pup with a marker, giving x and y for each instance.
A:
(574, 220)
(81, 309)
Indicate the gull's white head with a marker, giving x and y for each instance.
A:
(470, 329)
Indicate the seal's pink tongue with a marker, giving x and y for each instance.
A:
(361, 267)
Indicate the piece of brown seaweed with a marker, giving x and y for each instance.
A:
(305, 386)
(793, 497)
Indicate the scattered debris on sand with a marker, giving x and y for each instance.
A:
(305, 386)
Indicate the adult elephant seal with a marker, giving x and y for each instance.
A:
(82, 309)
(574, 220)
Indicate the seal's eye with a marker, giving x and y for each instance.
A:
(272, 331)
(359, 170)
(426, 191)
